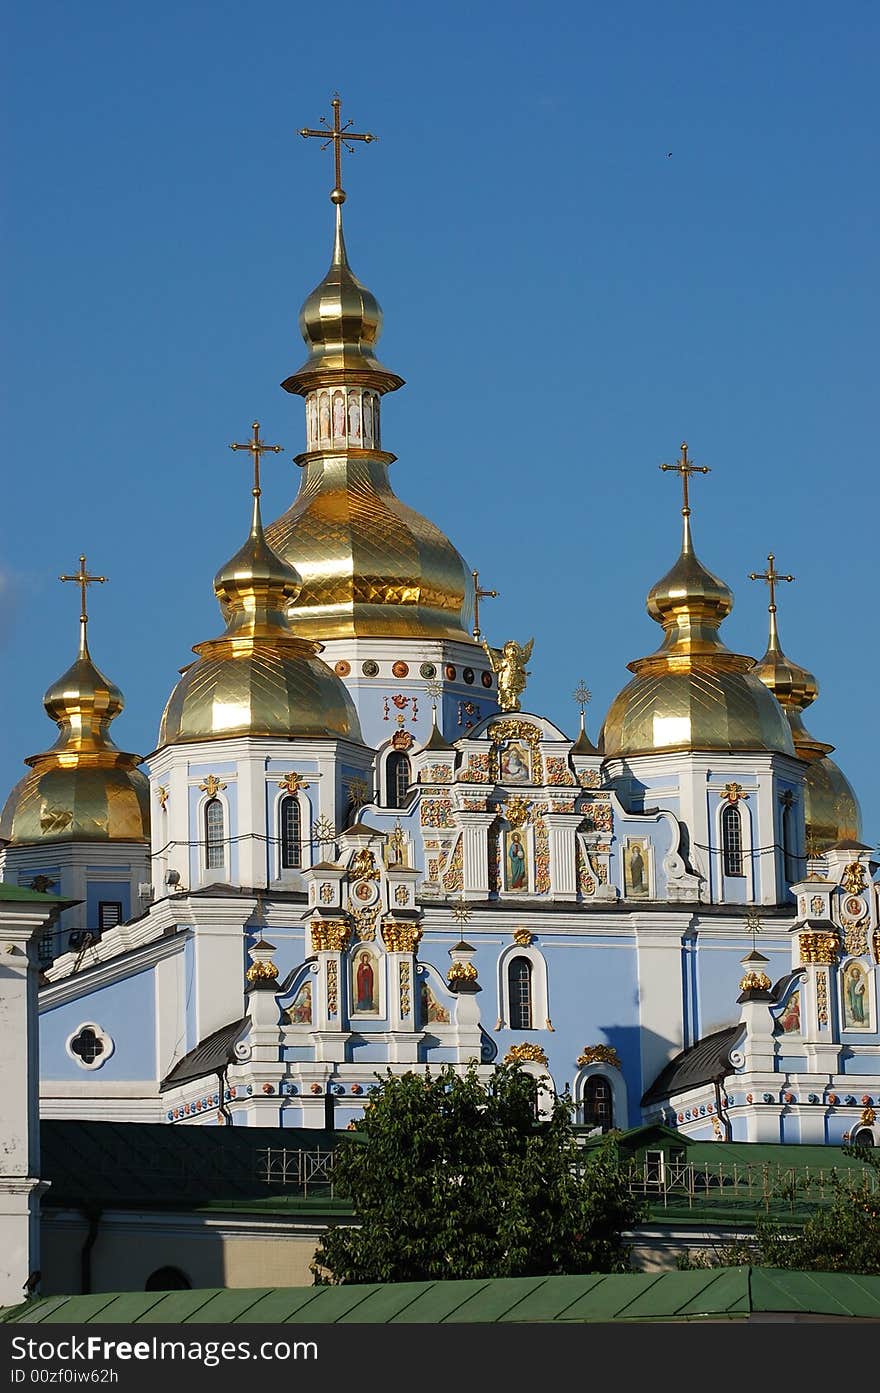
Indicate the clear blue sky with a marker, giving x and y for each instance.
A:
(566, 298)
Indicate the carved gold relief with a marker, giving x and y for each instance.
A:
(330, 935)
(853, 878)
(261, 973)
(599, 1054)
(523, 938)
(822, 998)
(401, 938)
(461, 972)
(753, 981)
(212, 785)
(818, 947)
(363, 866)
(527, 1051)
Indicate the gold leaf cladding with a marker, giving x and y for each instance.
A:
(330, 935)
(526, 1052)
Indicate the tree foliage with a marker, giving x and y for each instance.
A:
(452, 1176)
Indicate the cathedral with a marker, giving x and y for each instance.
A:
(355, 847)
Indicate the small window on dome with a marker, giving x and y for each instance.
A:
(731, 840)
(214, 835)
(291, 821)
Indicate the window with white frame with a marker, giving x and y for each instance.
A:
(290, 819)
(519, 990)
(398, 777)
(215, 835)
(732, 841)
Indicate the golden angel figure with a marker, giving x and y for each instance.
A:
(509, 663)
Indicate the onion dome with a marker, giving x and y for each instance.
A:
(84, 788)
(693, 693)
(370, 566)
(258, 678)
(831, 808)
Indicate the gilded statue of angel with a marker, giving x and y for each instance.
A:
(509, 663)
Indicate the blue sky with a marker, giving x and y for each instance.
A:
(594, 230)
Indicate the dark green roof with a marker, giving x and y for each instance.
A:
(733, 1293)
(112, 1165)
(19, 894)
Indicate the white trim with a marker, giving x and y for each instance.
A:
(617, 1084)
(540, 995)
(211, 875)
(100, 1034)
(285, 874)
(379, 964)
(746, 827)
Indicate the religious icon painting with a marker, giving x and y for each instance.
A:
(856, 1001)
(338, 416)
(364, 984)
(300, 1010)
(432, 1011)
(516, 867)
(636, 868)
(789, 1018)
(514, 763)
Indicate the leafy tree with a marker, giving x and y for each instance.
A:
(453, 1176)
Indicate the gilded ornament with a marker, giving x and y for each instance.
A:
(558, 771)
(461, 912)
(330, 935)
(822, 1000)
(363, 866)
(401, 938)
(876, 943)
(589, 778)
(523, 938)
(402, 740)
(261, 974)
(461, 972)
(405, 983)
(332, 994)
(733, 792)
(753, 981)
(401, 895)
(868, 1117)
(292, 782)
(855, 939)
(365, 923)
(509, 664)
(517, 811)
(599, 1054)
(527, 1052)
(358, 791)
(453, 872)
(853, 878)
(542, 857)
(818, 947)
(212, 785)
(323, 831)
(325, 893)
(817, 904)
(476, 771)
(162, 795)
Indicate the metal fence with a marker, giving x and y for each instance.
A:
(677, 1184)
(307, 1172)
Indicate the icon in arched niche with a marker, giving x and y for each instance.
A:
(790, 1017)
(312, 420)
(432, 1011)
(338, 416)
(299, 1012)
(364, 985)
(324, 415)
(354, 416)
(636, 868)
(368, 418)
(515, 768)
(516, 868)
(856, 1011)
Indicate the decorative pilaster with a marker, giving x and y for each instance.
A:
(475, 837)
(563, 856)
(401, 939)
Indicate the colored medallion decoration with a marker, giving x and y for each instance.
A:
(400, 668)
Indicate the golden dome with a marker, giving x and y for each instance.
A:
(258, 678)
(340, 322)
(84, 788)
(693, 693)
(831, 809)
(370, 566)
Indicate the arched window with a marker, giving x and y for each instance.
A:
(291, 826)
(167, 1279)
(598, 1111)
(397, 779)
(519, 989)
(215, 850)
(731, 840)
(864, 1138)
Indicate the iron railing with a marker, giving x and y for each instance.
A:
(677, 1184)
(303, 1171)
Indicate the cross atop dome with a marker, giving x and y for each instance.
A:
(685, 468)
(83, 580)
(337, 135)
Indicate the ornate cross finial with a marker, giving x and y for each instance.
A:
(685, 468)
(83, 579)
(582, 695)
(480, 594)
(753, 924)
(257, 447)
(338, 135)
(771, 576)
(434, 690)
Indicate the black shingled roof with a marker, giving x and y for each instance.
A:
(705, 1061)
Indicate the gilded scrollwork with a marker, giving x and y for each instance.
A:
(599, 1054)
(527, 1052)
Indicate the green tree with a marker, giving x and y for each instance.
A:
(453, 1176)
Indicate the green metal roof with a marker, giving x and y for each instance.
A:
(19, 894)
(731, 1293)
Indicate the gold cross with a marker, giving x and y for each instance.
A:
(771, 576)
(257, 447)
(338, 135)
(685, 468)
(480, 594)
(83, 579)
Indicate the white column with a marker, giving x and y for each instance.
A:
(20, 1186)
(563, 868)
(219, 959)
(661, 1010)
(475, 845)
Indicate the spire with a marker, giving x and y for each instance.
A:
(583, 745)
(83, 580)
(83, 702)
(794, 687)
(689, 602)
